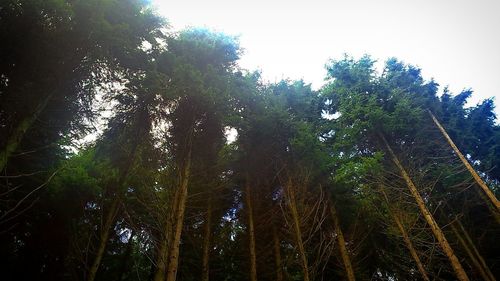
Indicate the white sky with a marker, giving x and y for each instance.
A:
(455, 42)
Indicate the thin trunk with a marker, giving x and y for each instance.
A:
(476, 177)
(113, 210)
(468, 250)
(126, 257)
(277, 255)
(103, 238)
(297, 231)
(17, 135)
(436, 230)
(173, 257)
(406, 238)
(341, 241)
(251, 233)
(493, 211)
(207, 240)
(476, 252)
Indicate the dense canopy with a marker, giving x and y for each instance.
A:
(131, 152)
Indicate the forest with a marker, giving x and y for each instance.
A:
(129, 151)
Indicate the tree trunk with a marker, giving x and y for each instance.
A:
(17, 135)
(173, 256)
(343, 250)
(103, 238)
(207, 242)
(113, 210)
(292, 203)
(251, 233)
(277, 255)
(472, 252)
(126, 257)
(162, 255)
(406, 238)
(476, 177)
(436, 230)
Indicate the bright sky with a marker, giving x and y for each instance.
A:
(457, 42)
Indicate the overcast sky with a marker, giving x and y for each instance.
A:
(455, 42)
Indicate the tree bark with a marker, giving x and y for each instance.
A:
(472, 252)
(341, 241)
(277, 255)
(477, 178)
(173, 257)
(207, 241)
(103, 238)
(406, 238)
(17, 135)
(251, 233)
(436, 230)
(292, 203)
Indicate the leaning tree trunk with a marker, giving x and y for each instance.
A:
(436, 230)
(292, 204)
(474, 249)
(493, 200)
(472, 252)
(342, 245)
(251, 233)
(15, 138)
(207, 240)
(173, 255)
(406, 238)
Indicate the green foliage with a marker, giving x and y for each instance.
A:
(172, 98)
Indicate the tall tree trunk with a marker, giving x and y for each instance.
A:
(292, 203)
(477, 178)
(113, 210)
(472, 251)
(207, 241)
(251, 233)
(173, 256)
(161, 258)
(277, 255)
(103, 238)
(126, 257)
(17, 135)
(406, 238)
(479, 256)
(436, 230)
(341, 241)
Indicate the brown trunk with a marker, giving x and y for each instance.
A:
(277, 255)
(103, 238)
(476, 177)
(251, 233)
(173, 255)
(292, 204)
(436, 230)
(341, 241)
(472, 251)
(166, 239)
(162, 256)
(406, 238)
(17, 135)
(207, 242)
